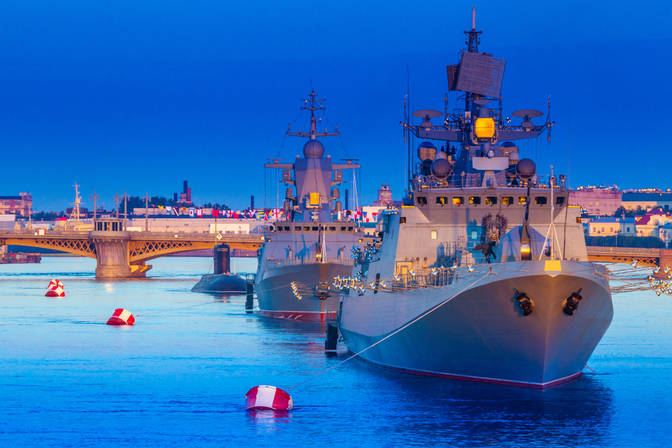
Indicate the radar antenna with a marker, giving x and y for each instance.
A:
(427, 115)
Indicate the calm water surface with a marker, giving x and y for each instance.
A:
(179, 376)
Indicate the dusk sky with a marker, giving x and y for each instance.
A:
(137, 95)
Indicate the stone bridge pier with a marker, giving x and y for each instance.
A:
(112, 251)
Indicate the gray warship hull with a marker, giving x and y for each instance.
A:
(276, 298)
(477, 330)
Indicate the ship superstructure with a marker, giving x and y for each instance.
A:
(483, 273)
(314, 243)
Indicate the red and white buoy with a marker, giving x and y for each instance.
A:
(121, 317)
(55, 289)
(268, 397)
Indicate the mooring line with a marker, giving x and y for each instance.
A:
(150, 313)
(403, 327)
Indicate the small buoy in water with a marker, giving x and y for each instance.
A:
(121, 317)
(268, 397)
(55, 289)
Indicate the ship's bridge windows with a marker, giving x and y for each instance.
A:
(421, 200)
(474, 200)
(349, 229)
(315, 229)
(443, 200)
(458, 200)
(287, 228)
(560, 200)
(507, 200)
(541, 200)
(306, 229)
(522, 200)
(297, 228)
(343, 228)
(332, 228)
(490, 200)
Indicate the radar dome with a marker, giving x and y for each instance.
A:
(426, 151)
(313, 149)
(526, 168)
(441, 168)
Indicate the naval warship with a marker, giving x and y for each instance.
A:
(483, 274)
(313, 243)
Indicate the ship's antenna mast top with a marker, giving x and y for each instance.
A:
(313, 103)
(473, 36)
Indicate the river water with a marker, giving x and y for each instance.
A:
(179, 376)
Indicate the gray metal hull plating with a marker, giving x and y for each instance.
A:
(277, 300)
(481, 333)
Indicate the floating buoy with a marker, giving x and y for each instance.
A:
(121, 317)
(268, 397)
(55, 289)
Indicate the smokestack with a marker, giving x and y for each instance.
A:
(347, 197)
(252, 202)
(473, 18)
(185, 186)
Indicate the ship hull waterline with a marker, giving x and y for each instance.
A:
(481, 334)
(277, 300)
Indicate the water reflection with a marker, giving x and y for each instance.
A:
(266, 421)
(476, 414)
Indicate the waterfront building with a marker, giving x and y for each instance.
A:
(7, 222)
(610, 226)
(648, 225)
(20, 205)
(645, 200)
(596, 201)
(197, 225)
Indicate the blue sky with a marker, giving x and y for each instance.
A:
(138, 95)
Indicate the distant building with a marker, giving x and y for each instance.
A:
(20, 205)
(184, 198)
(596, 201)
(665, 233)
(7, 222)
(384, 196)
(645, 200)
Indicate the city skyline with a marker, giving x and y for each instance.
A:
(138, 98)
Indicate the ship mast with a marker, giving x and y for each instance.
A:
(472, 39)
(75, 214)
(313, 103)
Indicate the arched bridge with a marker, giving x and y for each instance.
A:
(122, 254)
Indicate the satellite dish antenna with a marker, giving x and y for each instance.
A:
(427, 115)
(527, 115)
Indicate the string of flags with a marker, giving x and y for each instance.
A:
(273, 214)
